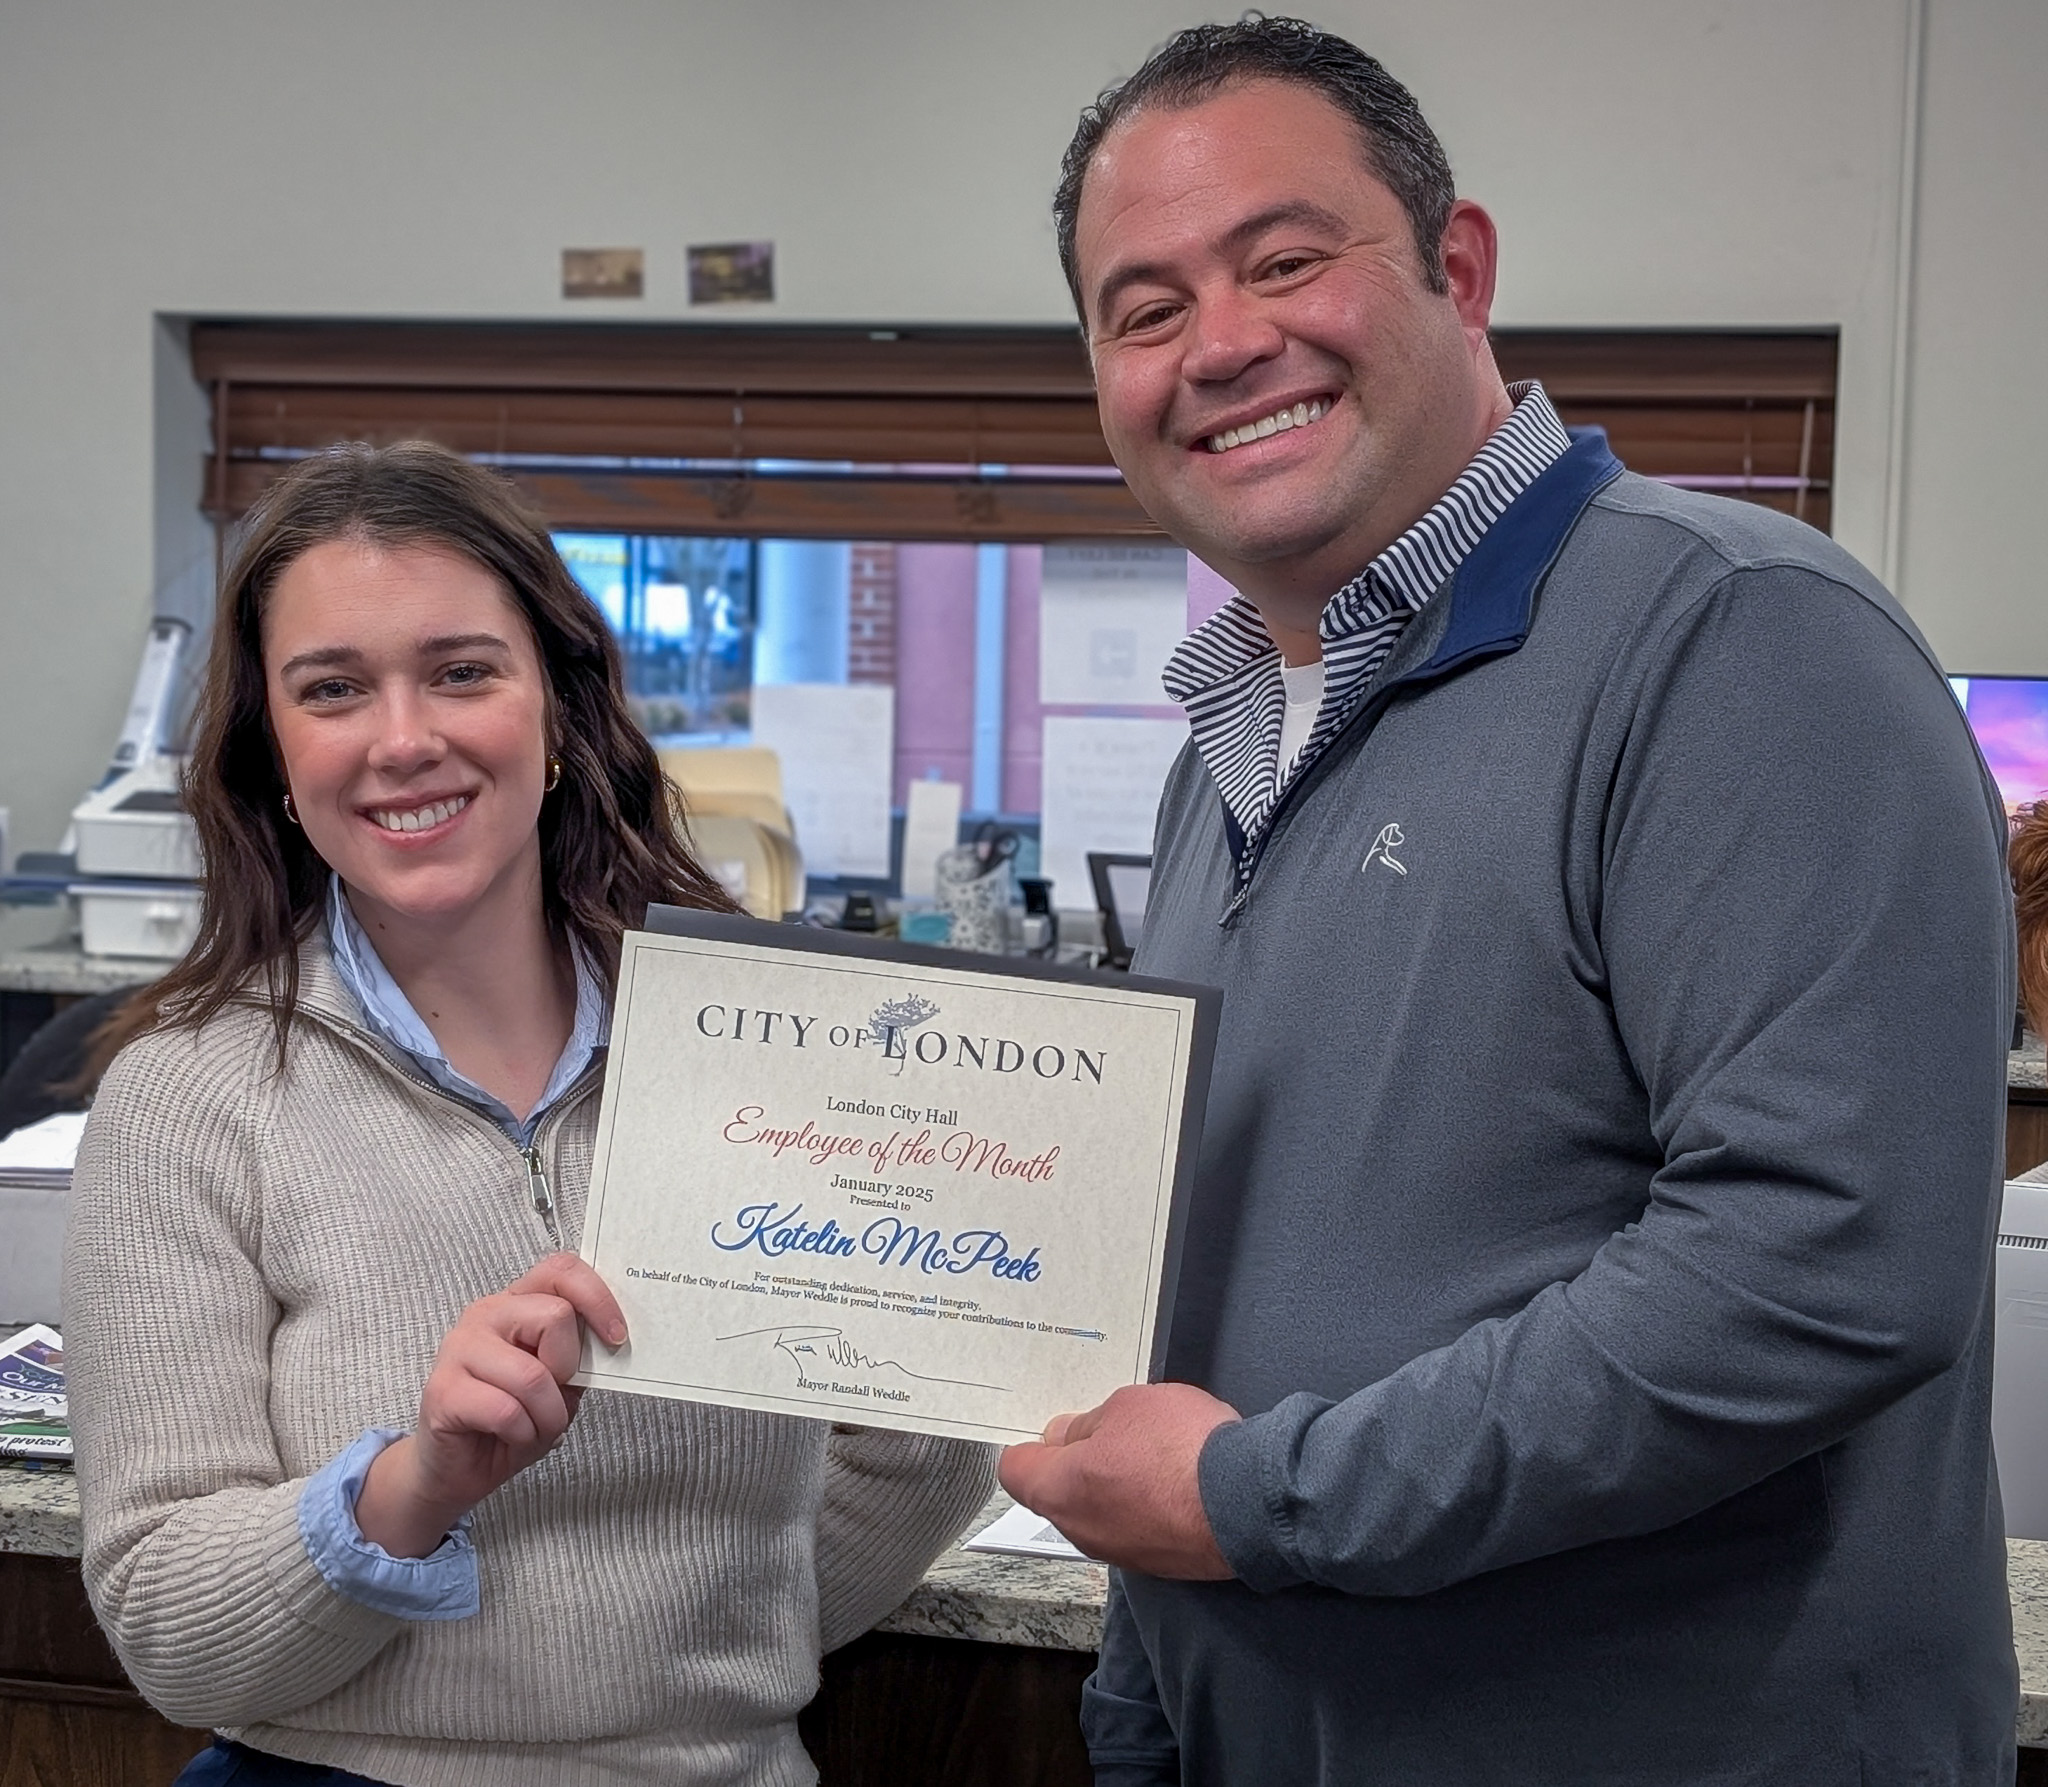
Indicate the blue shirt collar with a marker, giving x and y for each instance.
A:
(390, 1015)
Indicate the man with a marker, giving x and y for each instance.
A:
(1581, 1356)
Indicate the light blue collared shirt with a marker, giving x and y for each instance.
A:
(442, 1585)
(390, 1014)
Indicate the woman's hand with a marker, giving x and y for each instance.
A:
(496, 1400)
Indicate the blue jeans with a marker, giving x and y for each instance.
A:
(229, 1764)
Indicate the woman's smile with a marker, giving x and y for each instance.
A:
(422, 819)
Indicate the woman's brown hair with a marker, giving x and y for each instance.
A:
(2027, 857)
(609, 834)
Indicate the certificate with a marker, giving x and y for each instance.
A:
(870, 1182)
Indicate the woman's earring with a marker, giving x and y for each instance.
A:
(554, 774)
(290, 812)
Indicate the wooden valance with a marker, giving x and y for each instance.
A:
(890, 434)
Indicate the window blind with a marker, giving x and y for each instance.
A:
(903, 434)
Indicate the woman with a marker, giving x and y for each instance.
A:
(339, 1502)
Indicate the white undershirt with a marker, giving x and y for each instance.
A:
(1304, 685)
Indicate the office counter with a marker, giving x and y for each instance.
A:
(62, 971)
(974, 1682)
(975, 1679)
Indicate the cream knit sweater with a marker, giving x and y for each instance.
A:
(262, 1265)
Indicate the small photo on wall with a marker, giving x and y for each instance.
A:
(604, 273)
(732, 272)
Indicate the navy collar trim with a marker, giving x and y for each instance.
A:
(1492, 597)
(1493, 594)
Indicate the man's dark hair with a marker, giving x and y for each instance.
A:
(1197, 64)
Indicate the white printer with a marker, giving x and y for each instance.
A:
(137, 851)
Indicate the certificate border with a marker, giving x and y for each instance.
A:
(1201, 1013)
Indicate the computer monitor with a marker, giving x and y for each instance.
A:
(2009, 715)
(1121, 886)
(2019, 1375)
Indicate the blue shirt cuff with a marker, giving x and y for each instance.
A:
(441, 1585)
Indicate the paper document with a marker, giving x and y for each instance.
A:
(41, 1154)
(1102, 780)
(931, 823)
(33, 1406)
(856, 1180)
(1017, 1532)
(1109, 616)
(837, 742)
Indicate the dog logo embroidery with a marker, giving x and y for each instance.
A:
(1391, 838)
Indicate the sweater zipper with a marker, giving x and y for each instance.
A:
(537, 1189)
(539, 1192)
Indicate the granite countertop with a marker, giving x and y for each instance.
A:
(64, 968)
(2026, 1577)
(1037, 1602)
(39, 1513)
(2026, 1069)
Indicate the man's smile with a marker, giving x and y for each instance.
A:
(1280, 421)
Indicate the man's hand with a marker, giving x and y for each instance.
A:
(1120, 1480)
(497, 1400)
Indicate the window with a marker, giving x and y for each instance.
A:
(683, 609)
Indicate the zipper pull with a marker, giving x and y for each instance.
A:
(537, 1184)
(1237, 905)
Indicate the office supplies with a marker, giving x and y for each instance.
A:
(934, 928)
(1041, 921)
(974, 885)
(35, 1196)
(137, 852)
(860, 914)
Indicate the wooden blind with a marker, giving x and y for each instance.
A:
(647, 429)
(652, 428)
(1746, 414)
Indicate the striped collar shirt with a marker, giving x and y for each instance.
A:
(1227, 673)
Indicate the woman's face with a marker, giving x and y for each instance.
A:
(409, 706)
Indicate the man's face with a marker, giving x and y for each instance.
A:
(1280, 387)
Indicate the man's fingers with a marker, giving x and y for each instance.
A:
(578, 1285)
(1022, 1472)
(1064, 1430)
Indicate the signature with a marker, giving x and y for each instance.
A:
(831, 1346)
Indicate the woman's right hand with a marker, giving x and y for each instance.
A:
(497, 1399)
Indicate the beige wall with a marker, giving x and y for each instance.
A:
(1651, 162)
(1976, 465)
